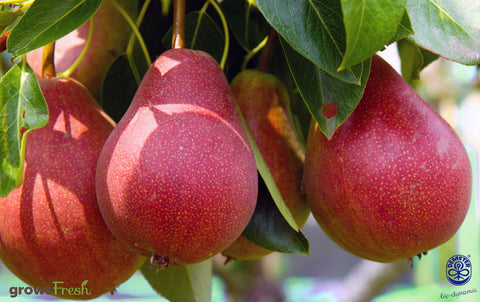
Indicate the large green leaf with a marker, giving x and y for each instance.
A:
(48, 20)
(7, 18)
(270, 230)
(22, 108)
(369, 26)
(315, 29)
(191, 283)
(329, 99)
(404, 29)
(448, 28)
(120, 85)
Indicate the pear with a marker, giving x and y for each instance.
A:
(265, 105)
(110, 37)
(52, 234)
(395, 180)
(176, 180)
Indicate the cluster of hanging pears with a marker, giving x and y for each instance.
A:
(176, 180)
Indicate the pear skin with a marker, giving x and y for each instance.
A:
(264, 103)
(51, 229)
(109, 40)
(177, 179)
(395, 180)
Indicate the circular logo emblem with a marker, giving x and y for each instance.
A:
(459, 270)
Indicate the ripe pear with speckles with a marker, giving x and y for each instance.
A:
(265, 105)
(51, 229)
(176, 179)
(394, 180)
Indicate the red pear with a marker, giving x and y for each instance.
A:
(110, 37)
(394, 180)
(177, 179)
(51, 231)
(265, 105)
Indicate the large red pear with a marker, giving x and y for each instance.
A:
(394, 180)
(177, 179)
(51, 229)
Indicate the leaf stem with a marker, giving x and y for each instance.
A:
(135, 30)
(68, 72)
(48, 61)
(253, 52)
(225, 31)
(201, 13)
(178, 30)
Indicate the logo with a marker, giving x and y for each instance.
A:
(458, 270)
(57, 290)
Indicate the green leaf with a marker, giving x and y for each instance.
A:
(190, 283)
(121, 82)
(201, 33)
(23, 108)
(8, 17)
(315, 30)
(270, 230)
(329, 99)
(48, 20)
(413, 59)
(448, 28)
(404, 29)
(246, 22)
(369, 26)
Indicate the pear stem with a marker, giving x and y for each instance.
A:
(178, 31)
(48, 62)
(266, 56)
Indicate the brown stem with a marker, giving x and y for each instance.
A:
(266, 56)
(368, 279)
(178, 31)
(48, 65)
